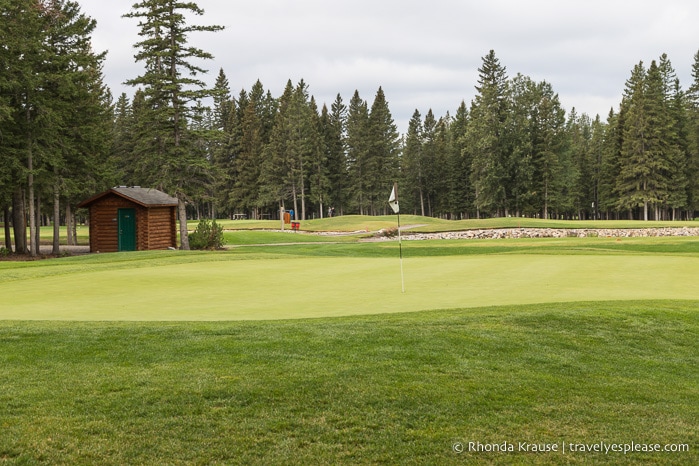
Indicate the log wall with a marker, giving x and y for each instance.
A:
(156, 227)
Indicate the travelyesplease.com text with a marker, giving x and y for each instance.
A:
(568, 447)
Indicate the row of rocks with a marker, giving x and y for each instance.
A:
(552, 233)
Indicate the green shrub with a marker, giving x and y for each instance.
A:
(208, 235)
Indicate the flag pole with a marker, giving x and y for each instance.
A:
(400, 253)
(393, 202)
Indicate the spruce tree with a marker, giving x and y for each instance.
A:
(461, 199)
(319, 180)
(413, 191)
(634, 170)
(249, 144)
(56, 106)
(486, 136)
(608, 192)
(693, 140)
(429, 163)
(675, 139)
(596, 161)
(548, 155)
(333, 130)
(172, 89)
(382, 156)
(358, 143)
(520, 124)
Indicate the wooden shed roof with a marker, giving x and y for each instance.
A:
(146, 197)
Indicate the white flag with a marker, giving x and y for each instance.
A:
(393, 201)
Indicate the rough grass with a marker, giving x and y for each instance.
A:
(391, 389)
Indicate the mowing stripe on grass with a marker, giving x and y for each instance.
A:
(317, 287)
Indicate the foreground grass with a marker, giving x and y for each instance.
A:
(395, 389)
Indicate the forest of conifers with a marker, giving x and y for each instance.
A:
(512, 150)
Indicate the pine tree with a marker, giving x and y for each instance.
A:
(441, 175)
(460, 200)
(382, 155)
(596, 160)
(172, 88)
(693, 140)
(485, 136)
(319, 175)
(635, 169)
(222, 113)
(524, 99)
(608, 193)
(548, 145)
(334, 133)
(579, 133)
(413, 192)
(24, 52)
(248, 159)
(673, 121)
(358, 143)
(429, 164)
(77, 163)
(49, 70)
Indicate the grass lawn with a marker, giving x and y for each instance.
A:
(358, 223)
(391, 389)
(172, 357)
(320, 280)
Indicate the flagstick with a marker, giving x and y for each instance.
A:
(400, 249)
(393, 202)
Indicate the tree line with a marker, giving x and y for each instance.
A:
(513, 151)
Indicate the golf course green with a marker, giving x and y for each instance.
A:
(226, 288)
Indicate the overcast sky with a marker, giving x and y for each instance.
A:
(424, 54)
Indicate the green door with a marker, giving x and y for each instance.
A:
(127, 229)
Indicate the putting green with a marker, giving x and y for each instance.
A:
(315, 287)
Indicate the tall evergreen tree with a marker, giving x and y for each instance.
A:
(76, 159)
(596, 164)
(635, 167)
(693, 140)
(49, 68)
(461, 199)
(249, 146)
(222, 113)
(611, 164)
(319, 171)
(441, 175)
(334, 133)
(429, 164)
(520, 131)
(673, 134)
(173, 89)
(382, 156)
(489, 112)
(548, 144)
(358, 143)
(412, 165)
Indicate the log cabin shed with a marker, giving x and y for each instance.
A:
(132, 219)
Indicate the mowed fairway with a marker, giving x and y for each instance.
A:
(235, 286)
